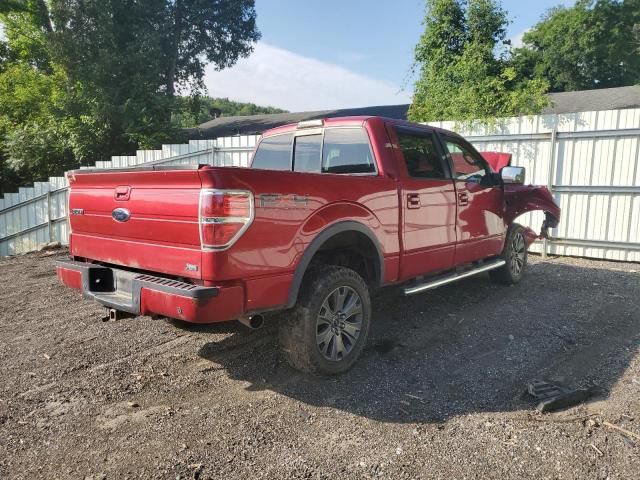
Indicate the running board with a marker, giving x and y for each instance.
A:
(454, 277)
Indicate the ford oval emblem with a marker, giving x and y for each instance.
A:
(121, 215)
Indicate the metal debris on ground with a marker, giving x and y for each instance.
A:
(553, 396)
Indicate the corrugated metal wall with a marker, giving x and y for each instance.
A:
(589, 160)
(37, 215)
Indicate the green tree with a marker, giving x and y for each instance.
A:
(195, 110)
(465, 70)
(106, 73)
(196, 31)
(593, 44)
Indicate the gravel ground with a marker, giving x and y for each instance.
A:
(439, 392)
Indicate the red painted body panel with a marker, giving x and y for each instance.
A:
(228, 305)
(521, 199)
(161, 231)
(162, 234)
(70, 278)
(481, 226)
(429, 231)
(141, 255)
(280, 233)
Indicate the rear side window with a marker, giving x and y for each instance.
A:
(306, 153)
(274, 153)
(421, 155)
(347, 150)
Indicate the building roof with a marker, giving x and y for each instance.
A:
(256, 124)
(566, 102)
(594, 100)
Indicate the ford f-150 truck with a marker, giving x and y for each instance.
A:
(329, 210)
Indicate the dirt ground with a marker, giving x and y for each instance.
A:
(439, 392)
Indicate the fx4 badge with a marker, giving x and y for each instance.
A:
(277, 200)
(121, 215)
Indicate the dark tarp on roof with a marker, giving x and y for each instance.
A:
(567, 102)
(256, 124)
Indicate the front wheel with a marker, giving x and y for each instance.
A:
(328, 328)
(515, 256)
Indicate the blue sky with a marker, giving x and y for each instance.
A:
(339, 53)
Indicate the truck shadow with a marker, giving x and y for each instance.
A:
(469, 347)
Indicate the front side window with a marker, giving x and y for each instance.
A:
(306, 153)
(468, 165)
(274, 153)
(421, 156)
(347, 150)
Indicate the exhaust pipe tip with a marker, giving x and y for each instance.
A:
(254, 322)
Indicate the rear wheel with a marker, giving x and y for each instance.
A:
(328, 328)
(515, 256)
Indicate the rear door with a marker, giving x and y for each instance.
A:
(428, 203)
(480, 224)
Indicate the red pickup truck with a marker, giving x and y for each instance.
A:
(329, 210)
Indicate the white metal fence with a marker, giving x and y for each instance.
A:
(589, 160)
(37, 215)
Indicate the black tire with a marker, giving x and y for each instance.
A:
(322, 334)
(515, 254)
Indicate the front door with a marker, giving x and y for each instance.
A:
(479, 195)
(428, 203)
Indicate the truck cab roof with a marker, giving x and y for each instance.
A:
(347, 121)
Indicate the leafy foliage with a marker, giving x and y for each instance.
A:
(593, 44)
(465, 70)
(195, 110)
(81, 80)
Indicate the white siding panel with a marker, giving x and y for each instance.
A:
(629, 118)
(619, 214)
(603, 162)
(634, 223)
(625, 161)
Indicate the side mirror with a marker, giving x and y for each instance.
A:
(513, 175)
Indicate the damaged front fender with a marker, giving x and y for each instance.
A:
(521, 199)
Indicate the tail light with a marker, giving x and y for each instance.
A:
(224, 217)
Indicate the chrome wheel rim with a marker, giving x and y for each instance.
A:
(339, 323)
(518, 252)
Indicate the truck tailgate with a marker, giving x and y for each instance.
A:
(144, 219)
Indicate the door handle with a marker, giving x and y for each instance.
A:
(463, 199)
(413, 200)
(122, 193)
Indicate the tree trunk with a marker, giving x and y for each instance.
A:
(44, 18)
(175, 45)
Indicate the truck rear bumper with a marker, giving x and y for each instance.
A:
(143, 294)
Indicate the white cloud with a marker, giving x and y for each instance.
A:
(516, 42)
(280, 78)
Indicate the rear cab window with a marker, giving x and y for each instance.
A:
(274, 153)
(347, 150)
(338, 150)
(306, 153)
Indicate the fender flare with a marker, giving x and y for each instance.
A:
(316, 244)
